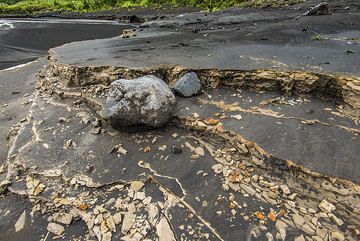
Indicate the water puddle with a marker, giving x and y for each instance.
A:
(5, 25)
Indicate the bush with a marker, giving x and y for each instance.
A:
(32, 6)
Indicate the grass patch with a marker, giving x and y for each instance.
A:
(318, 37)
(36, 6)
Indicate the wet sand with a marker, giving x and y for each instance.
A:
(24, 40)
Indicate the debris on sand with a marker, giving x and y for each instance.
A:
(20, 223)
(56, 229)
(143, 101)
(320, 9)
(188, 85)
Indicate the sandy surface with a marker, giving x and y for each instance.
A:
(24, 40)
(255, 164)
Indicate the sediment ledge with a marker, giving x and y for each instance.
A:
(338, 87)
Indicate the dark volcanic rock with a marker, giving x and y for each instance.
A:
(143, 101)
(188, 85)
(320, 9)
(176, 150)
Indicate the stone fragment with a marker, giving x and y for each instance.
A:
(300, 238)
(281, 229)
(3, 185)
(153, 211)
(55, 228)
(308, 229)
(285, 189)
(121, 150)
(137, 185)
(259, 215)
(199, 151)
(117, 218)
(237, 117)
(20, 223)
(298, 220)
(188, 85)
(145, 101)
(336, 236)
(234, 186)
(110, 223)
(64, 218)
(337, 220)
(211, 121)
(176, 150)
(128, 222)
(320, 9)
(248, 189)
(107, 236)
(272, 216)
(326, 207)
(162, 148)
(164, 231)
(217, 168)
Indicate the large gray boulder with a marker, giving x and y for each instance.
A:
(188, 85)
(143, 101)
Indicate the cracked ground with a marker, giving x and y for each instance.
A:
(269, 150)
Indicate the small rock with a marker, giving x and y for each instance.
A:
(300, 238)
(188, 85)
(162, 148)
(298, 220)
(137, 185)
(336, 236)
(117, 218)
(308, 229)
(281, 229)
(176, 150)
(217, 168)
(55, 228)
(164, 231)
(62, 119)
(20, 223)
(199, 151)
(110, 223)
(96, 130)
(234, 186)
(248, 189)
(285, 189)
(320, 9)
(238, 117)
(337, 220)
(121, 150)
(64, 218)
(272, 216)
(129, 220)
(259, 215)
(3, 185)
(326, 207)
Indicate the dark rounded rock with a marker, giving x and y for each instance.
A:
(145, 101)
(176, 150)
(188, 85)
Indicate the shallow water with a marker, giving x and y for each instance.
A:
(5, 25)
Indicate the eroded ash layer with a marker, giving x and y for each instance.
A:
(266, 195)
(344, 88)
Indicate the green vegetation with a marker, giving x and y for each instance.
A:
(318, 37)
(35, 6)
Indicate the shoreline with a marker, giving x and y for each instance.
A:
(28, 40)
